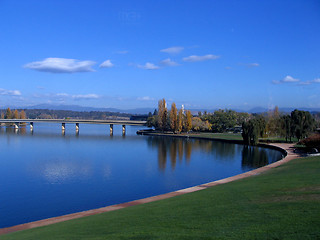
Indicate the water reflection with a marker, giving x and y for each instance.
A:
(178, 148)
(254, 157)
(181, 148)
(55, 174)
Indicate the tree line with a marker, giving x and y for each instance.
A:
(60, 114)
(298, 124)
(15, 114)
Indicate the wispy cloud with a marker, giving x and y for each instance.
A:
(286, 79)
(146, 98)
(253, 65)
(148, 66)
(10, 92)
(168, 62)
(195, 58)
(61, 65)
(317, 80)
(106, 64)
(172, 50)
(85, 96)
(122, 52)
(290, 80)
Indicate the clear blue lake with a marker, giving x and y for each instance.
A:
(45, 173)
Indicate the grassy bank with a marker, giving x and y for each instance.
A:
(282, 203)
(222, 136)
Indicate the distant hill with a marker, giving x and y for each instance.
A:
(89, 109)
(144, 111)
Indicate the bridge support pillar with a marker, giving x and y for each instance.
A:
(16, 125)
(111, 129)
(31, 126)
(63, 127)
(77, 127)
(123, 129)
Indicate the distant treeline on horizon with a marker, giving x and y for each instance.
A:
(60, 114)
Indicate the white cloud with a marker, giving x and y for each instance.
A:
(195, 58)
(317, 80)
(253, 64)
(289, 79)
(85, 96)
(305, 83)
(106, 64)
(146, 98)
(62, 94)
(168, 62)
(148, 66)
(61, 65)
(276, 82)
(10, 92)
(122, 52)
(172, 50)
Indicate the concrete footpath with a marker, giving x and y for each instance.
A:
(287, 147)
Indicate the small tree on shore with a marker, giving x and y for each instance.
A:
(8, 114)
(180, 120)
(15, 114)
(188, 124)
(173, 118)
(23, 114)
(162, 114)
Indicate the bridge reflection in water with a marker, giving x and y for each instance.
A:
(16, 123)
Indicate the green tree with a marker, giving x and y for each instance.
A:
(302, 123)
(173, 118)
(8, 114)
(286, 127)
(250, 131)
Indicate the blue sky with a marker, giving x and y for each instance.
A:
(129, 54)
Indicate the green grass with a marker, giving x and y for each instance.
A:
(283, 203)
(223, 136)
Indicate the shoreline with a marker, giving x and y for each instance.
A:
(284, 148)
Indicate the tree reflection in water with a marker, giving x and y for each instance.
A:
(182, 148)
(254, 157)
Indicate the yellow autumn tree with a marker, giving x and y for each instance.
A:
(188, 125)
(173, 118)
(162, 114)
(180, 120)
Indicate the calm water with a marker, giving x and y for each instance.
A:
(45, 173)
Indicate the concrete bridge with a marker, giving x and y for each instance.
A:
(17, 122)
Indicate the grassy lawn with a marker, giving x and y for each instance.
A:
(224, 136)
(283, 203)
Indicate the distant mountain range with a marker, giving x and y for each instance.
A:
(147, 110)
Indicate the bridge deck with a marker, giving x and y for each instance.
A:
(115, 122)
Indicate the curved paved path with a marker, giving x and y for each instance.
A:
(287, 147)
